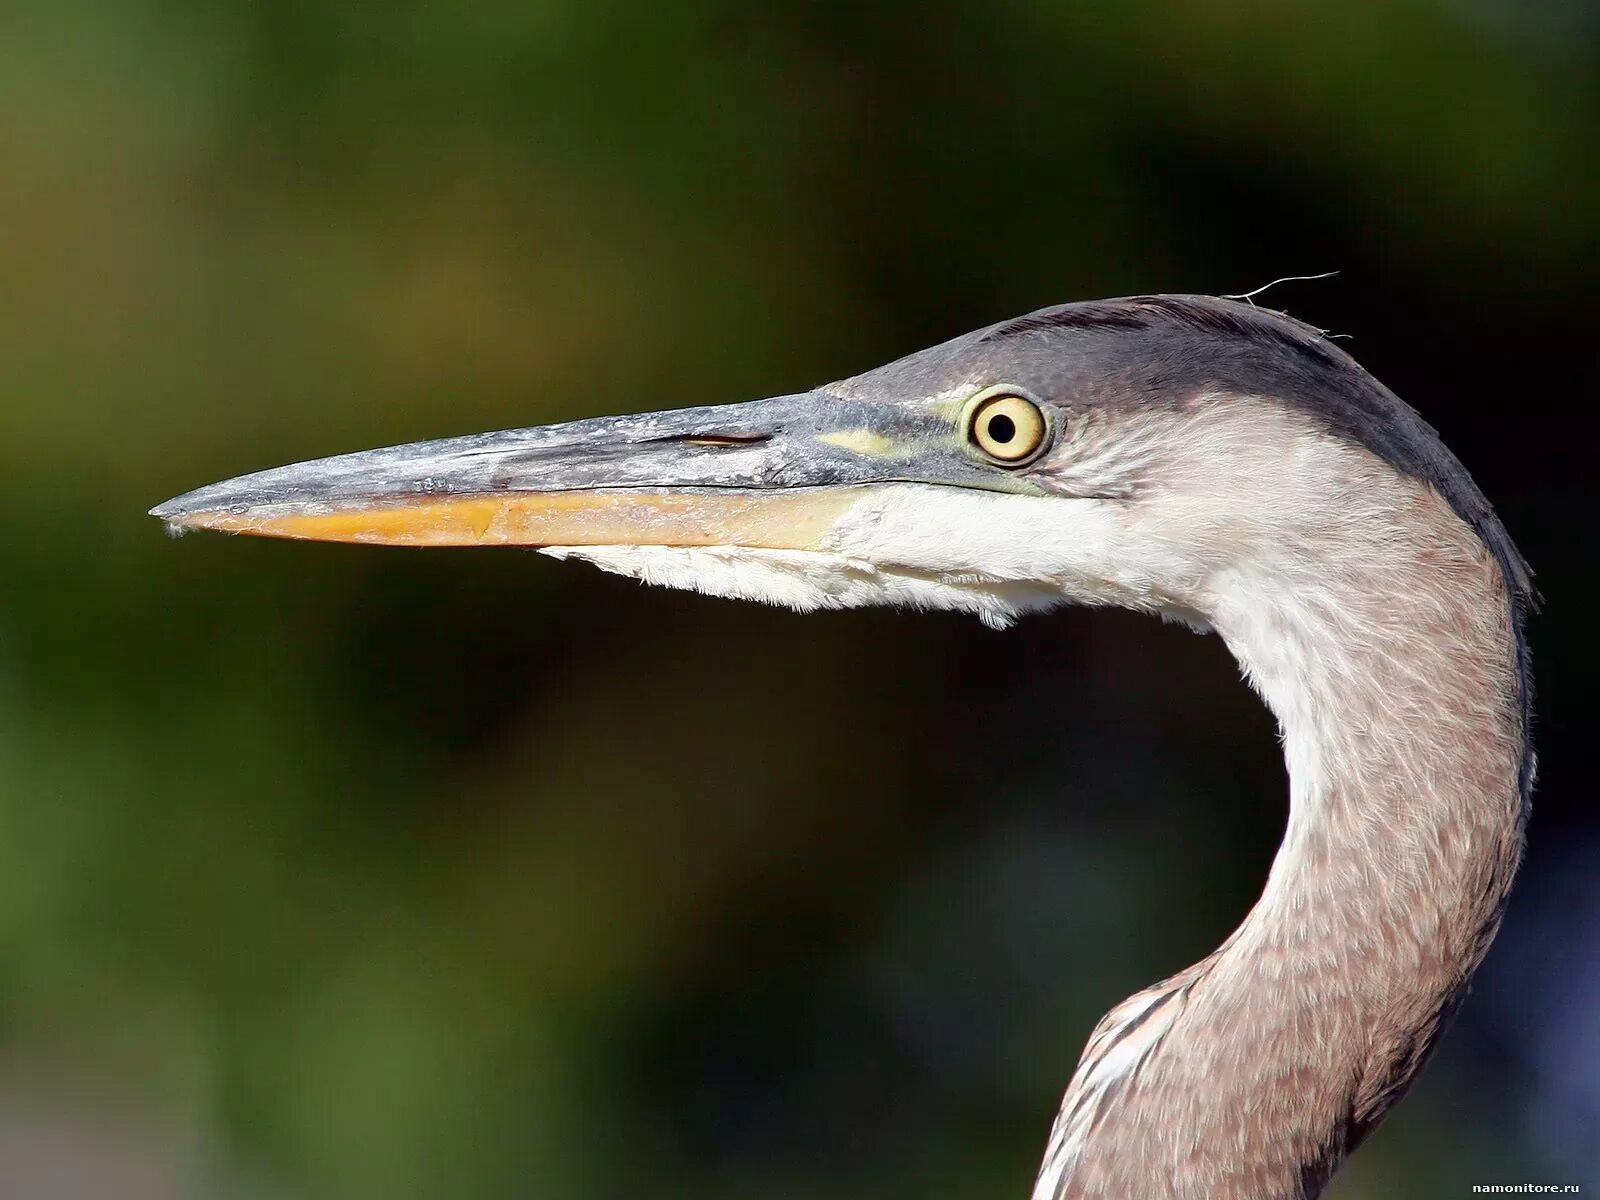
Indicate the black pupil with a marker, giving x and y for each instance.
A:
(1002, 428)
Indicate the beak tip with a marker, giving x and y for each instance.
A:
(172, 511)
(186, 506)
(177, 514)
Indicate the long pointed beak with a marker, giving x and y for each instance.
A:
(771, 473)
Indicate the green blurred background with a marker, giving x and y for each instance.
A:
(330, 872)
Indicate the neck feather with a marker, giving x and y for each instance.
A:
(1396, 677)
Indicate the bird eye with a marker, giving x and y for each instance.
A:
(1007, 428)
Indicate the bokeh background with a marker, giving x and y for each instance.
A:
(330, 872)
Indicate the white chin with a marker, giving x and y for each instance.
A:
(806, 580)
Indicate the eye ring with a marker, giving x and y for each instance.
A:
(1006, 427)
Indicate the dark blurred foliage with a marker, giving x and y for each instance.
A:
(330, 872)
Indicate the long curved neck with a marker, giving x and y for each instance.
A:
(1396, 679)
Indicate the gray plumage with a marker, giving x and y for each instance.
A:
(1204, 459)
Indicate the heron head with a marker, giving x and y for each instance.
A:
(1124, 452)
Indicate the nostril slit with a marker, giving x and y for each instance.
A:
(715, 439)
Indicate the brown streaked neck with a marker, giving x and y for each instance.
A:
(1395, 675)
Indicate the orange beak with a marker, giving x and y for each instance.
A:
(762, 474)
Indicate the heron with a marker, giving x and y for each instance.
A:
(1205, 460)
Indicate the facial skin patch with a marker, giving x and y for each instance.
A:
(863, 441)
